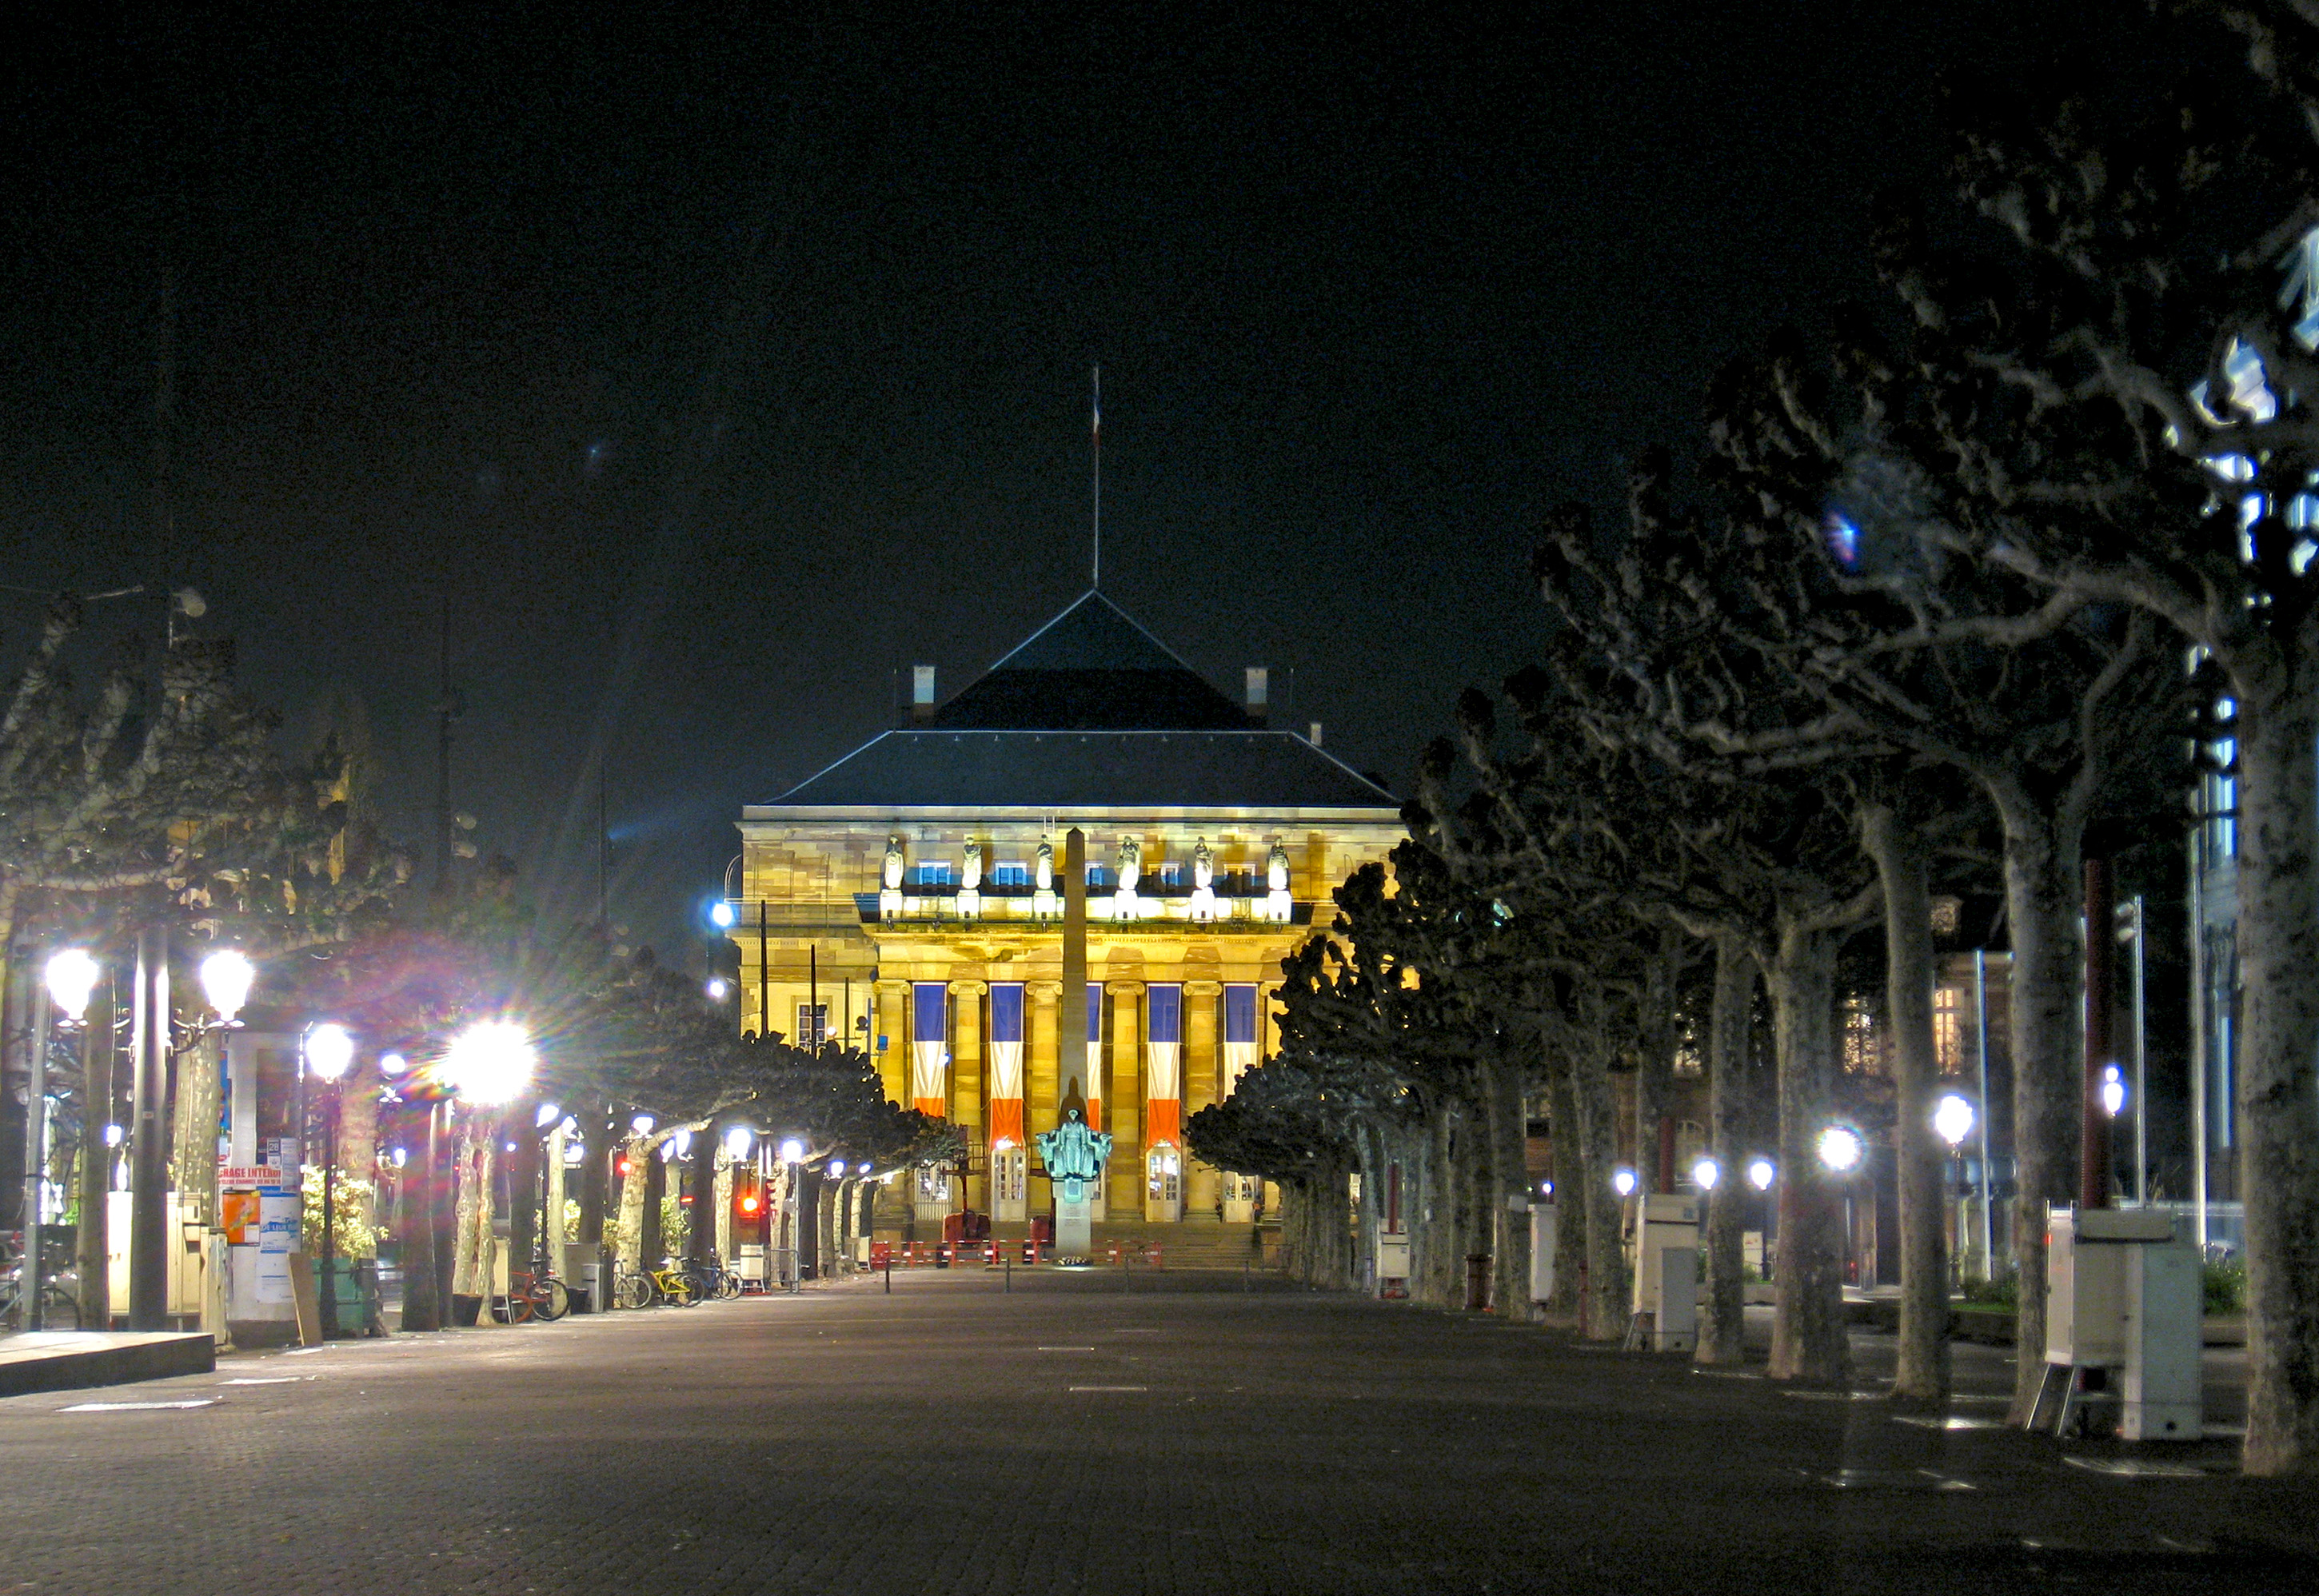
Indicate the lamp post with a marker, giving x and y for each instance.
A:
(1840, 1151)
(1953, 1119)
(329, 1051)
(793, 1159)
(544, 1126)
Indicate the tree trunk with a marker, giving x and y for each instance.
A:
(1809, 1344)
(1921, 1377)
(2043, 889)
(1606, 1290)
(1723, 1327)
(523, 1168)
(478, 1156)
(651, 1240)
(700, 1183)
(2279, 1072)
(1433, 1210)
(90, 1243)
(1655, 1069)
(414, 1192)
(1570, 1189)
(1510, 1188)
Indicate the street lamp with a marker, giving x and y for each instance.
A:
(2112, 1090)
(226, 977)
(738, 1139)
(1622, 1181)
(490, 1063)
(721, 914)
(1761, 1173)
(330, 1051)
(1953, 1118)
(1705, 1173)
(1840, 1149)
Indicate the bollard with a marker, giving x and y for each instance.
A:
(889, 1274)
(1010, 1271)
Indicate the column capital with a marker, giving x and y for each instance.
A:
(1044, 991)
(1203, 988)
(969, 988)
(1124, 989)
(889, 987)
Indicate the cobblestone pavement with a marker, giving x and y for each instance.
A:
(1073, 1436)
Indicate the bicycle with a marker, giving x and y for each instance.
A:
(530, 1296)
(55, 1300)
(711, 1278)
(641, 1288)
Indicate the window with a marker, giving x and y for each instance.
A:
(1171, 875)
(1098, 876)
(1948, 1029)
(812, 1023)
(1858, 1045)
(1007, 1167)
(931, 875)
(1011, 874)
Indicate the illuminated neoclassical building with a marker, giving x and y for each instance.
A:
(909, 898)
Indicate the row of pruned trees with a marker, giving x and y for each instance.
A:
(1965, 591)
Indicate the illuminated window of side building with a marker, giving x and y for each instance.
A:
(1948, 1029)
(812, 1023)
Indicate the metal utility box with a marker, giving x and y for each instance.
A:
(1393, 1256)
(1675, 1327)
(1541, 1252)
(2165, 1338)
(1668, 1222)
(2085, 1254)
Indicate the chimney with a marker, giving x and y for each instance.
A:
(1315, 738)
(921, 693)
(1259, 695)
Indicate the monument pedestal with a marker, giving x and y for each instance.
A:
(1073, 1240)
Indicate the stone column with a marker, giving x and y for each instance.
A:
(1123, 1102)
(1202, 1074)
(966, 1082)
(894, 1063)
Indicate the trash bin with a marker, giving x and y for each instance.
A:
(1477, 1280)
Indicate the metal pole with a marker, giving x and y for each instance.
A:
(36, 1149)
(149, 1240)
(329, 1214)
(764, 973)
(2198, 1022)
(813, 994)
(2101, 959)
(1980, 1017)
(2141, 1068)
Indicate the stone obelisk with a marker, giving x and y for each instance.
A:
(1073, 1239)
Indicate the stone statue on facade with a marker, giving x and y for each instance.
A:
(1131, 865)
(969, 883)
(1278, 907)
(1203, 905)
(889, 894)
(1043, 903)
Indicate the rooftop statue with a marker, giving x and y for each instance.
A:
(893, 863)
(970, 877)
(1046, 878)
(1131, 863)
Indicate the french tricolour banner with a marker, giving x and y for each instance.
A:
(1092, 1088)
(1163, 1091)
(1005, 1064)
(1239, 1034)
(930, 1047)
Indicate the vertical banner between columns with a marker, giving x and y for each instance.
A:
(1163, 1089)
(1239, 1034)
(1005, 1065)
(930, 1047)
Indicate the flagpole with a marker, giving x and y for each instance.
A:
(1096, 435)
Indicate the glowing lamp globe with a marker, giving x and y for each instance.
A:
(226, 977)
(1840, 1148)
(490, 1062)
(1705, 1173)
(1622, 1181)
(1760, 1174)
(793, 1151)
(72, 976)
(642, 1124)
(721, 914)
(330, 1051)
(2112, 1090)
(739, 1139)
(1953, 1119)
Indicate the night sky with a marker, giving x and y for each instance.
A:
(719, 366)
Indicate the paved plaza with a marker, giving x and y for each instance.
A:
(1185, 1434)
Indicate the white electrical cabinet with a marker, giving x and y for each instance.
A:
(1541, 1252)
(2165, 1339)
(2124, 1292)
(1668, 1221)
(1393, 1256)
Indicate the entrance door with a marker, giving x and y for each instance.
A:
(1240, 1193)
(1163, 1185)
(1009, 1178)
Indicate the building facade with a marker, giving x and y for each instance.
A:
(908, 900)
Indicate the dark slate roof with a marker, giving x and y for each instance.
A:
(1092, 668)
(1068, 770)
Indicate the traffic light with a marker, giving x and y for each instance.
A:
(748, 1196)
